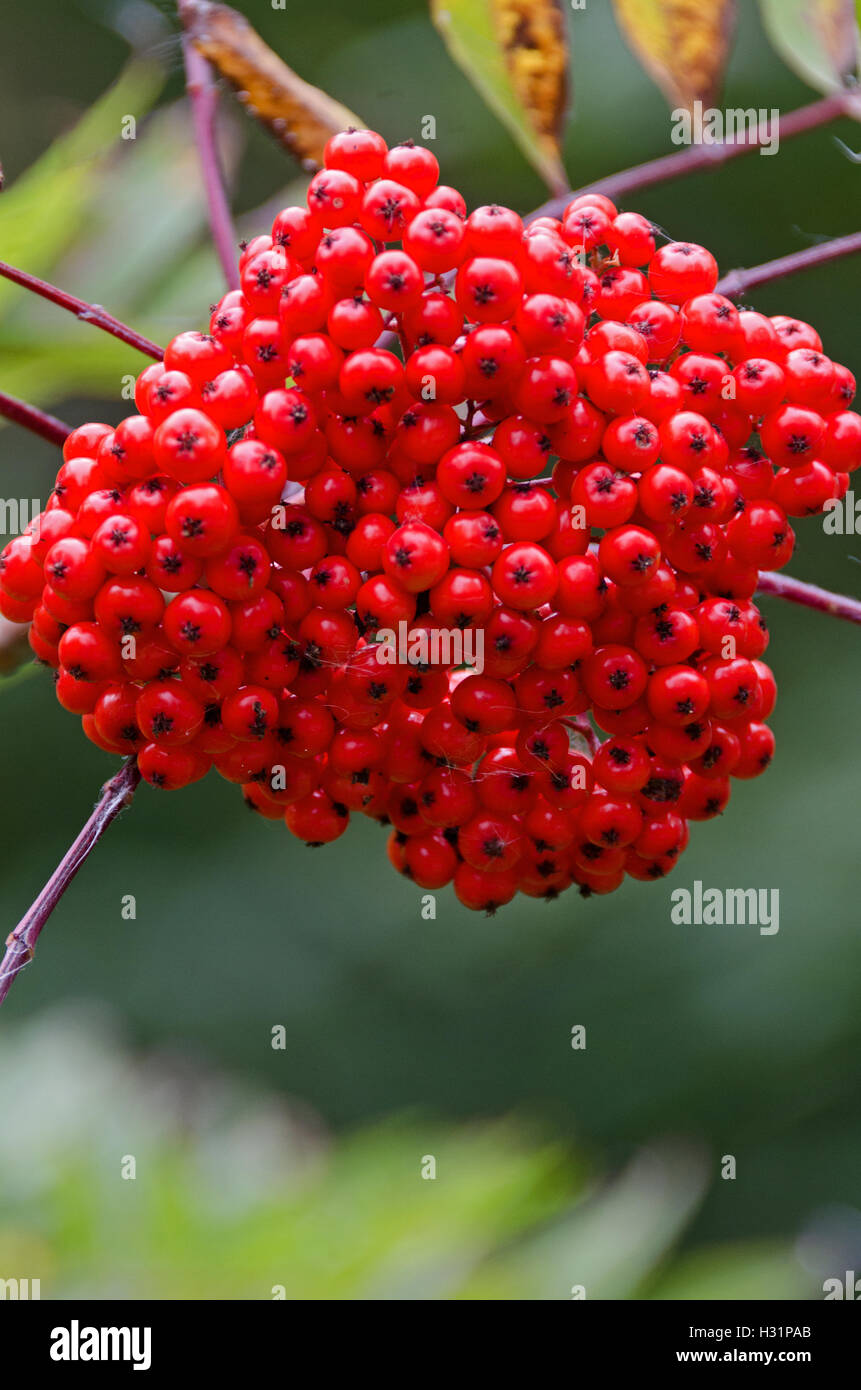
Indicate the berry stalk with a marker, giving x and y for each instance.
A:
(811, 596)
(33, 419)
(21, 942)
(703, 156)
(737, 282)
(87, 313)
(203, 96)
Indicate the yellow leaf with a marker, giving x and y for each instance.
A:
(515, 53)
(300, 116)
(683, 44)
(532, 36)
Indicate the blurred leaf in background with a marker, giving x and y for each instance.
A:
(818, 39)
(45, 209)
(131, 1177)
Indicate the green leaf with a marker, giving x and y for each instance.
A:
(756, 1271)
(817, 39)
(237, 1195)
(42, 212)
(516, 56)
(153, 181)
(47, 369)
(610, 1243)
(156, 186)
(153, 218)
(160, 283)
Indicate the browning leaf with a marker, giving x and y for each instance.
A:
(683, 44)
(515, 53)
(301, 117)
(533, 40)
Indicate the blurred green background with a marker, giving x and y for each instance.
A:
(406, 1037)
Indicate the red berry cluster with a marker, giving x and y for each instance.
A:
(558, 436)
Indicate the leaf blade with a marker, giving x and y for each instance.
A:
(44, 209)
(301, 117)
(515, 54)
(683, 45)
(817, 39)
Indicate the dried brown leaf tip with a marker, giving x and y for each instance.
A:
(531, 34)
(299, 116)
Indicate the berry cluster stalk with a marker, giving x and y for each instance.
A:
(21, 943)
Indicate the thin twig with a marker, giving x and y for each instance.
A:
(21, 943)
(737, 282)
(87, 313)
(48, 426)
(811, 596)
(708, 156)
(203, 96)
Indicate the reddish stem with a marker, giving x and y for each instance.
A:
(48, 426)
(811, 596)
(21, 943)
(88, 313)
(704, 156)
(738, 282)
(203, 96)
